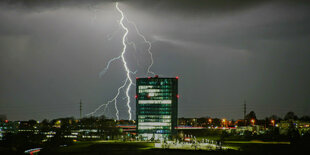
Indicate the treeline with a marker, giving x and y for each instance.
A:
(33, 134)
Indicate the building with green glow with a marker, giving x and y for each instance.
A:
(156, 107)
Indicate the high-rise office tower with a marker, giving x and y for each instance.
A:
(156, 107)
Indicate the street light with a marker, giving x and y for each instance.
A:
(272, 121)
(253, 121)
(224, 121)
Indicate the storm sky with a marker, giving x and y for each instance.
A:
(225, 52)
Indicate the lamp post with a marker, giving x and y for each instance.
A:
(253, 121)
(273, 122)
(210, 121)
(224, 122)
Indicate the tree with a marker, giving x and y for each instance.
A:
(250, 116)
(274, 117)
(45, 125)
(305, 118)
(32, 123)
(290, 116)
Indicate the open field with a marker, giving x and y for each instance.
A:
(139, 148)
(116, 147)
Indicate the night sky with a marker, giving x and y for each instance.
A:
(224, 51)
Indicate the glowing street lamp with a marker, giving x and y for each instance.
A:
(253, 121)
(272, 121)
(224, 121)
(210, 120)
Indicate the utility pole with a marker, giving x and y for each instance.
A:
(244, 109)
(244, 112)
(80, 108)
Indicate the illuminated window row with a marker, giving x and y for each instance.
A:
(155, 105)
(149, 90)
(155, 120)
(165, 82)
(161, 97)
(161, 82)
(153, 116)
(145, 87)
(153, 86)
(155, 112)
(154, 124)
(153, 82)
(155, 102)
(153, 127)
(145, 96)
(154, 90)
(155, 109)
(167, 86)
(160, 94)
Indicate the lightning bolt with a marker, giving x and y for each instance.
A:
(123, 58)
(113, 100)
(128, 83)
(128, 72)
(149, 46)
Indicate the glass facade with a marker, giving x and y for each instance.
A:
(156, 102)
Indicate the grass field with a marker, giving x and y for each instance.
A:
(146, 148)
(116, 147)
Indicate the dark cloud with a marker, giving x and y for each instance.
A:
(224, 52)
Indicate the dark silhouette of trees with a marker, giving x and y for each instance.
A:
(290, 116)
(250, 116)
(305, 118)
(32, 123)
(45, 125)
(216, 122)
(275, 117)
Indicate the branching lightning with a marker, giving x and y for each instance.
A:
(108, 65)
(124, 60)
(113, 100)
(149, 48)
(128, 83)
(122, 56)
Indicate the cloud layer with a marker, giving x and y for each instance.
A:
(225, 52)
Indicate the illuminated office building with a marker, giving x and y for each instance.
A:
(156, 107)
